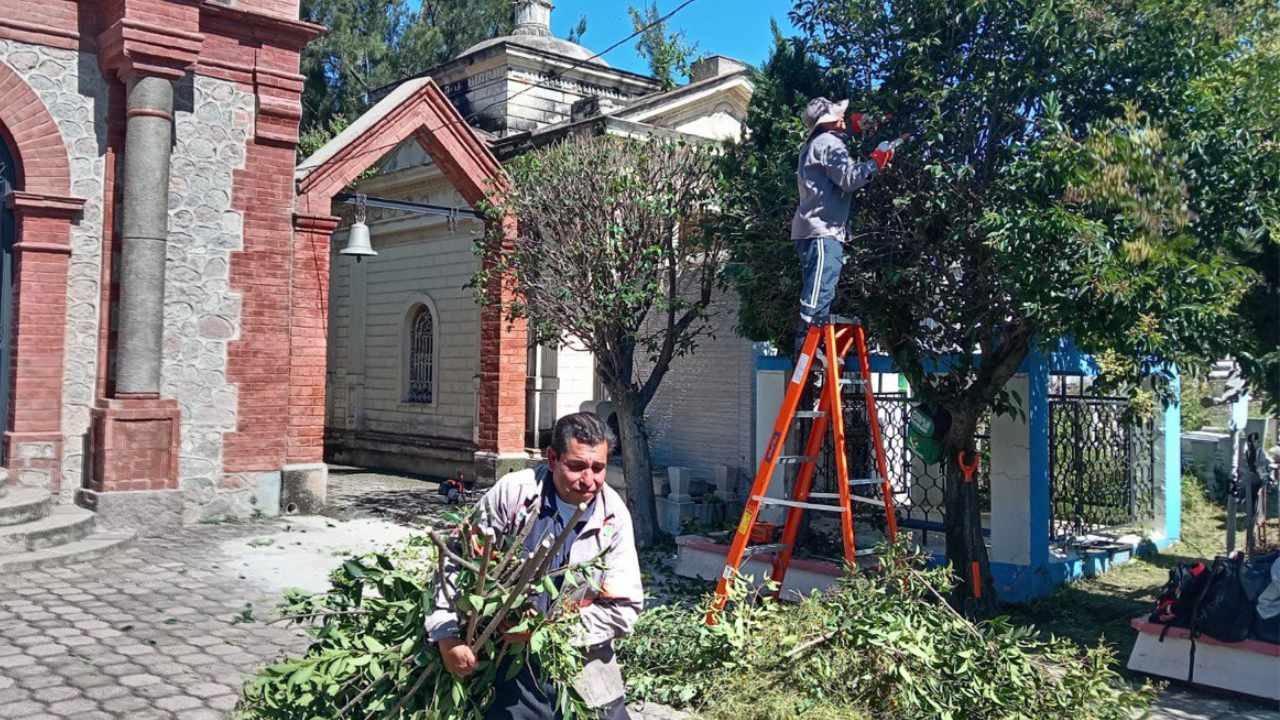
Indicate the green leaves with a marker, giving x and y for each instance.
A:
(370, 656)
(371, 43)
(882, 646)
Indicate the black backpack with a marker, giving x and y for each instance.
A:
(1176, 604)
(1226, 611)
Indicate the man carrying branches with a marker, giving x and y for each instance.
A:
(565, 500)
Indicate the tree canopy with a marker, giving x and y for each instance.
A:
(371, 43)
(611, 255)
(1054, 186)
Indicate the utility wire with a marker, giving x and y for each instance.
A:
(554, 76)
(580, 63)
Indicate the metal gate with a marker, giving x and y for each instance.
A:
(8, 229)
(1101, 462)
(919, 488)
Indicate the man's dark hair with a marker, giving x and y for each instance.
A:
(585, 427)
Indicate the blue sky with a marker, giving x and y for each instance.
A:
(737, 28)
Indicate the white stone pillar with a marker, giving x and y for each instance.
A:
(771, 387)
(1011, 483)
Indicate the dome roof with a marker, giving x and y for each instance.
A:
(532, 20)
(546, 43)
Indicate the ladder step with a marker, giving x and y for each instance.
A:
(797, 459)
(761, 549)
(867, 500)
(810, 414)
(797, 504)
(852, 483)
(864, 552)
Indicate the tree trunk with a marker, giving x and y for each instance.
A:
(966, 544)
(638, 468)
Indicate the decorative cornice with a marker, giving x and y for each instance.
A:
(279, 105)
(276, 29)
(42, 247)
(32, 204)
(324, 224)
(39, 33)
(134, 47)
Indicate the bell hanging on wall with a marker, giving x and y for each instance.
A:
(358, 242)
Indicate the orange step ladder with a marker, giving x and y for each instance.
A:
(836, 340)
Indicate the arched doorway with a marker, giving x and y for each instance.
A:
(8, 230)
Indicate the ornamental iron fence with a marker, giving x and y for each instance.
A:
(918, 488)
(1101, 461)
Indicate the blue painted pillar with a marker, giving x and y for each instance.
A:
(1038, 440)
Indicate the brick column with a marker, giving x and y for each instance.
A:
(33, 445)
(504, 362)
(134, 436)
(305, 474)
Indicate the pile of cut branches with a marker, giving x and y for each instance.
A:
(370, 656)
(876, 646)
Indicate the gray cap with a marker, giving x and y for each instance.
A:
(821, 110)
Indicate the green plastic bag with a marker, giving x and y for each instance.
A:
(925, 429)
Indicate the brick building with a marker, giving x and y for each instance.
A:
(163, 296)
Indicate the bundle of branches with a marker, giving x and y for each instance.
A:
(875, 646)
(370, 656)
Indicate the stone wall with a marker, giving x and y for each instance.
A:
(72, 88)
(213, 121)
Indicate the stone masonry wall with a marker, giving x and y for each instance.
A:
(214, 121)
(75, 93)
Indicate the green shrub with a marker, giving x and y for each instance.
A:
(883, 646)
(370, 657)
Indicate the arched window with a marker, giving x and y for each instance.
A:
(420, 340)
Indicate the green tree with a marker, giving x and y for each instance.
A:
(610, 255)
(1046, 193)
(372, 43)
(669, 53)
(1233, 141)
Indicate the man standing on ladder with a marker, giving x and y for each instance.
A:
(827, 177)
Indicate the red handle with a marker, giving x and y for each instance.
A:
(967, 469)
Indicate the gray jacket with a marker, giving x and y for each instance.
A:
(606, 534)
(827, 178)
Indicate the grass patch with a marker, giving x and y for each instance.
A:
(1098, 610)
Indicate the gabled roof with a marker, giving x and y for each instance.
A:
(417, 109)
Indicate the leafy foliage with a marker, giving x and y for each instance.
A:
(371, 43)
(885, 646)
(370, 657)
(669, 53)
(1048, 191)
(610, 253)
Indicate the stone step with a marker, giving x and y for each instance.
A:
(65, 524)
(92, 547)
(24, 505)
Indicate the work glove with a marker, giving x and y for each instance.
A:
(883, 154)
